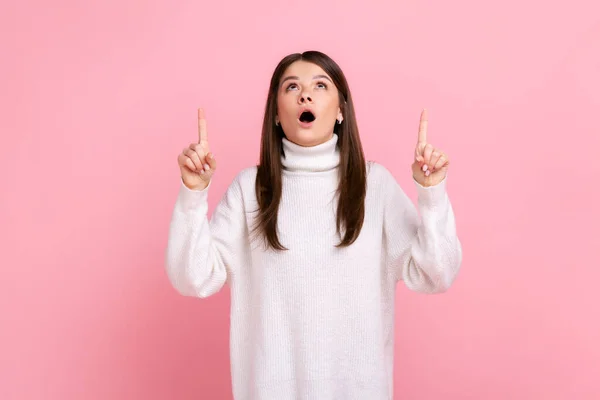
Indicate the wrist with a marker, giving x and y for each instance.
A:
(198, 187)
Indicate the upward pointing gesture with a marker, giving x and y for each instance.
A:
(431, 164)
(202, 133)
(422, 138)
(196, 162)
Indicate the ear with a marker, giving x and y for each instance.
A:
(276, 120)
(340, 116)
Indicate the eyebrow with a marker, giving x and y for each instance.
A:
(287, 78)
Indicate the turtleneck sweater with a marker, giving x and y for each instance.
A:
(314, 321)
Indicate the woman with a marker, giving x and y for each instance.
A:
(312, 242)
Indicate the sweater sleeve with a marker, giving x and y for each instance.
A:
(200, 253)
(423, 251)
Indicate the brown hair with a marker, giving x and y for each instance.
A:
(352, 170)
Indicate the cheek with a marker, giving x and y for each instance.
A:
(330, 108)
(285, 106)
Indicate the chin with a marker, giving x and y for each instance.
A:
(308, 137)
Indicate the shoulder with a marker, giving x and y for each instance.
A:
(246, 177)
(382, 182)
(382, 186)
(243, 183)
(240, 190)
(379, 176)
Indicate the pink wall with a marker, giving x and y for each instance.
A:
(97, 101)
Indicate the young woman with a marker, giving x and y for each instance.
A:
(312, 242)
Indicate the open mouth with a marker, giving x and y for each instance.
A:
(307, 117)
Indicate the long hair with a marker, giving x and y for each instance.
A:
(351, 189)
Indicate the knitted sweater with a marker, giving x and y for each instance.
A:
(314, 321)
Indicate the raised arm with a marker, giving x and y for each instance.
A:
(200, 255)
(422, 246)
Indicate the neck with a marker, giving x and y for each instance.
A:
(319, 158)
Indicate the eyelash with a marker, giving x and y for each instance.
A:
(318, 83)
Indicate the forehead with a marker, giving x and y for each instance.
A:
(303, 70)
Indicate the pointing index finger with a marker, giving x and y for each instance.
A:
(202, 133)
(422, 138)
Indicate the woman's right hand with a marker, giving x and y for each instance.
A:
(196, 162)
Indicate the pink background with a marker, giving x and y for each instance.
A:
(98, 99)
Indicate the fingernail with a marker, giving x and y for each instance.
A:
(425, 167)
(206, 167)
(426, 173)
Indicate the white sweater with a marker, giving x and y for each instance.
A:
(315, 321)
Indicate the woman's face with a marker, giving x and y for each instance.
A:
(306, 89)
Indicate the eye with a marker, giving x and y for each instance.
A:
(321, 85)
(290, 86)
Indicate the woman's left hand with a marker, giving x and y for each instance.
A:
(431, 164)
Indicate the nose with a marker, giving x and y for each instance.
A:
(304, 98)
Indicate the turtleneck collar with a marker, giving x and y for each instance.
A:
(319, 158)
